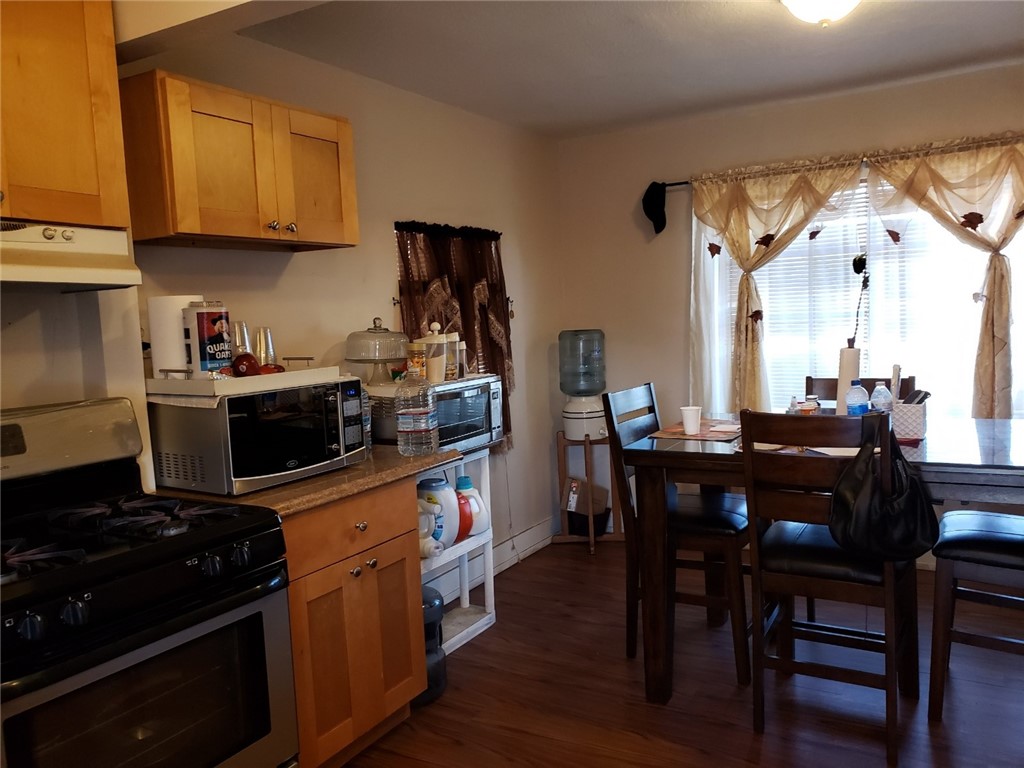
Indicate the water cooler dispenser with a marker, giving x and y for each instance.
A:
(581, 377)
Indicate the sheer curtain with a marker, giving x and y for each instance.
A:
(920, 309)
(753, 215)
(975, 190)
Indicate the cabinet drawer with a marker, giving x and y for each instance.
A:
(330, 533)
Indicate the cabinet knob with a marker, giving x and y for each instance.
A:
(372, 563)
(274, 225)
(292, 227)
(357, 571)
(362, 526)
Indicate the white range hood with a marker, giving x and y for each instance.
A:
(65, 257)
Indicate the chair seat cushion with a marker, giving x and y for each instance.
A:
(987, 538)
(708, 513)
(804, 549)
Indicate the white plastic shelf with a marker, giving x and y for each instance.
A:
(465, 621)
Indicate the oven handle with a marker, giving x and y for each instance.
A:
(258, 584)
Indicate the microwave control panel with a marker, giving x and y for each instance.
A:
(351, 415)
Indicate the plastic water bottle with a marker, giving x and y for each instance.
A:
(856, 399)
(416, 417)
(881, 398)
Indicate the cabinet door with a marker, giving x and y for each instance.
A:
(357, 636)
(221, 162)
(63, 152)
(315, 177)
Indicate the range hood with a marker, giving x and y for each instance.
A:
(65, 257)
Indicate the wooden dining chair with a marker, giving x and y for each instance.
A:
(828, 389)
(788, 498)
(713, 524)
(979, 557)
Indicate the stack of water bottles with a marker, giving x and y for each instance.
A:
(858, 402)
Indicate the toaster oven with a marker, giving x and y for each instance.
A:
(469, 413)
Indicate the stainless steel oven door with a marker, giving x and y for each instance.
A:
(218, 693)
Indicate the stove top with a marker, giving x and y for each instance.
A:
(49, 540)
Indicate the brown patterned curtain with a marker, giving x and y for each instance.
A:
(453, 276)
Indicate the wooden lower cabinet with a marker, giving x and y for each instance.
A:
(357, 639)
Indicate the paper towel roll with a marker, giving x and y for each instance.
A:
(167, 334)
(849, 369)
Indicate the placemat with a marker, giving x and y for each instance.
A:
(710, 429)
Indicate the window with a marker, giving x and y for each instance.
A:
(918, 311)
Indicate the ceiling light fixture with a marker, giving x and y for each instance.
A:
(822, 12)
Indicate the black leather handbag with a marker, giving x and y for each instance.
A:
(867, 522)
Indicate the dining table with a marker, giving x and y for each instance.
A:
(960, 459)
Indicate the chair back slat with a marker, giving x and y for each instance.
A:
(803, 507)
(795, 483)
(828, 389)
(631, 414)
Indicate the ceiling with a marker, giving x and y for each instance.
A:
(575, 67)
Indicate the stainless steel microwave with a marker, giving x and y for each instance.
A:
(469, 413)
(239, 443)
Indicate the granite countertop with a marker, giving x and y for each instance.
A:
(383, 466)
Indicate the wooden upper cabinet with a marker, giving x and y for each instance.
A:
(62, 158)
(207, 162)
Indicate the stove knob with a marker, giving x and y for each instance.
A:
(75, 614)
(241, 557)
(212, 566)
(31, 627)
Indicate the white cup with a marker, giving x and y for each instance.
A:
(691, 419)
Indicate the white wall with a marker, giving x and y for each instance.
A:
(576, 248)
(415, 159)
(635, 285)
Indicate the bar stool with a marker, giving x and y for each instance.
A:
(986, 549)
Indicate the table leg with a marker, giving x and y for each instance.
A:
(657, 566)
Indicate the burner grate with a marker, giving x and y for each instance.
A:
(21, 559)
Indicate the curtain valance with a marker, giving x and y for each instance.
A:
(974, 187)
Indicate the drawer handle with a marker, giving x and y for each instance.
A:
(357, 571)
(372, 562)
(274, 225)
(292, 227)
(362, 526)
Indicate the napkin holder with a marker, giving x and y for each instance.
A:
(909, 421)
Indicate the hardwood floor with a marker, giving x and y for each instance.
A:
(550, 685)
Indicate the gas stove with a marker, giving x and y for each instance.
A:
(137, 629)
(88, 557)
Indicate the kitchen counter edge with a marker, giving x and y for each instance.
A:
(384, 465)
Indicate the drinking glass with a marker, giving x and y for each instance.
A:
(265, 346)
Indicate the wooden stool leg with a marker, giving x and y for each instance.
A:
(942, 628)
(907, 639)
(738, 611)
(588, 461)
